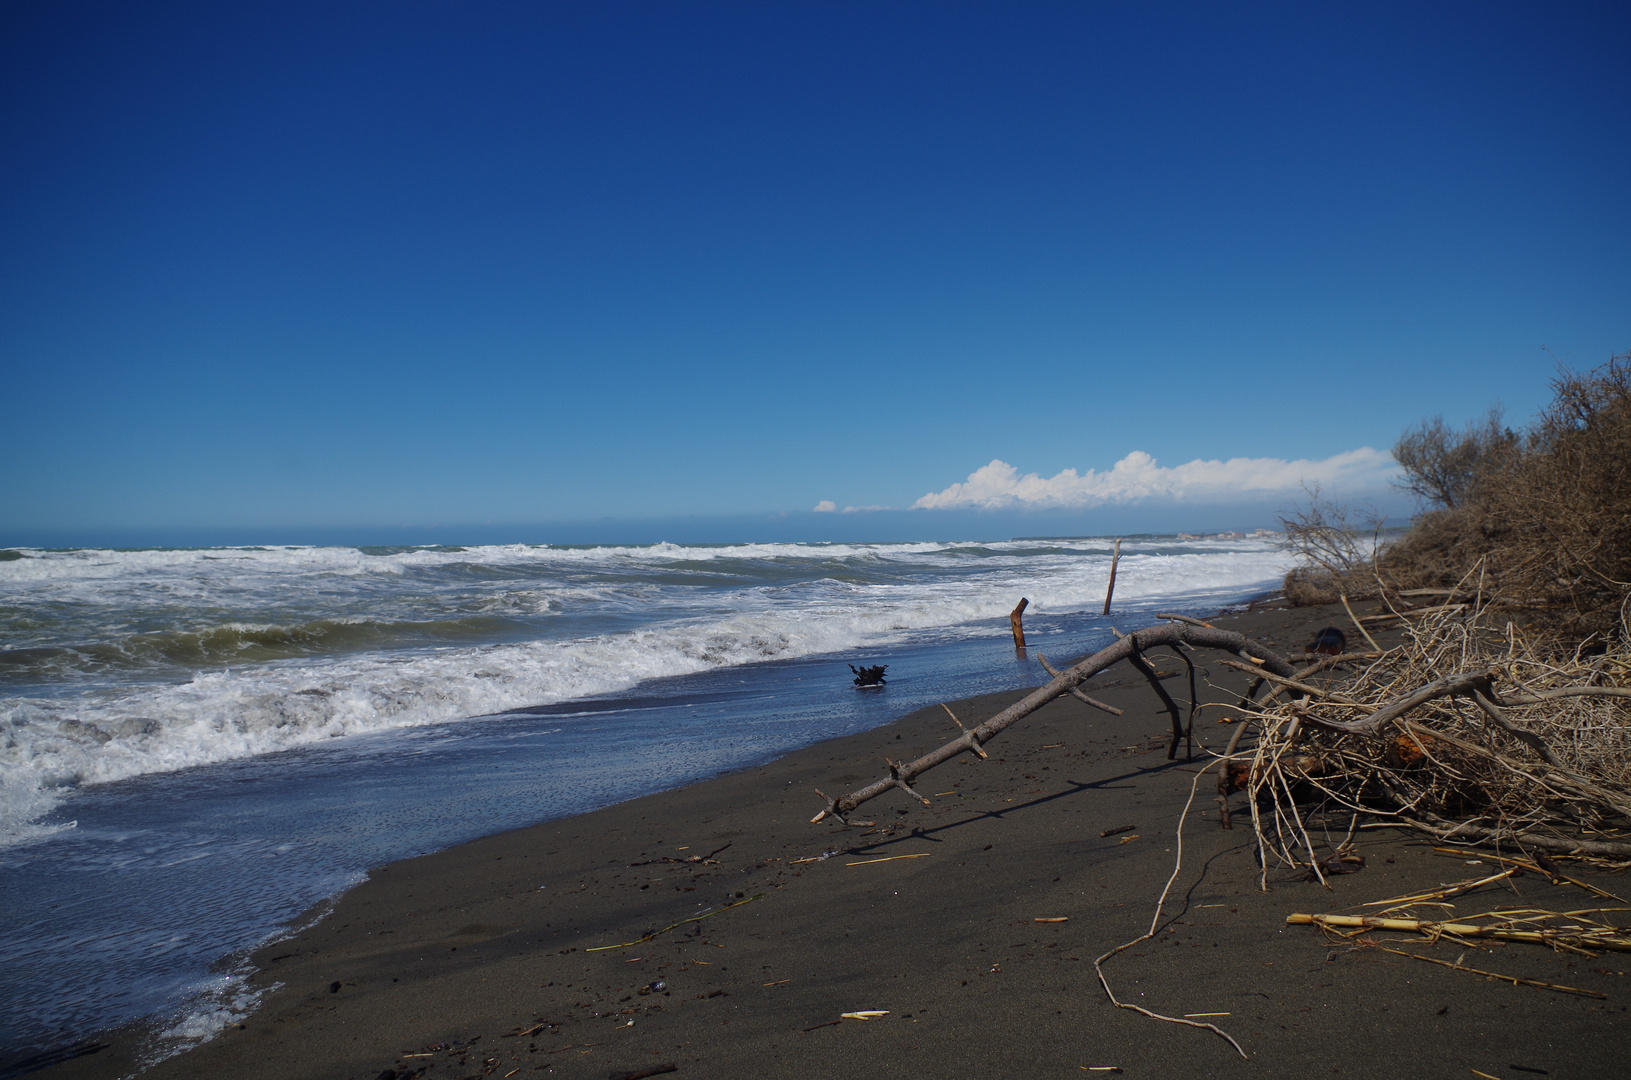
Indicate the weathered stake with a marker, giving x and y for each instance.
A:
(1111, 591)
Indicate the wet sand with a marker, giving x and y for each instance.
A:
(477, 961)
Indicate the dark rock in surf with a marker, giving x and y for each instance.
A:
(869, 676)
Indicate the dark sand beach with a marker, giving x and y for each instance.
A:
(476, 961)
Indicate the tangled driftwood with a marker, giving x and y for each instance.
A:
(1519, 745)
(1515, 746)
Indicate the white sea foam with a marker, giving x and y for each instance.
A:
(758, 603)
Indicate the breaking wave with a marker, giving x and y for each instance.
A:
(114, 664)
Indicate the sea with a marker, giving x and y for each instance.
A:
(200, 747)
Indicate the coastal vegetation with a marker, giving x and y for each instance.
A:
(1535, 522)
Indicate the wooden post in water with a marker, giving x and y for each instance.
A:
(1013, 620)
(1111, 591)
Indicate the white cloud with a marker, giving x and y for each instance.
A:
(827, 506)
(1137, 476)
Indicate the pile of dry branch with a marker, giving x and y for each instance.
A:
(1469, 731)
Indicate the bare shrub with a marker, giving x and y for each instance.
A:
(1443, 467)
(1340, 546)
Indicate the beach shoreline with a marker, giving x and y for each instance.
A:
(489, 958)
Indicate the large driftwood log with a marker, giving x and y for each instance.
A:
(901, 774)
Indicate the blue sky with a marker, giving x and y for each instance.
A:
(585, 271)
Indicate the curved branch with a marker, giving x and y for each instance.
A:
(1143, 667)
(1461, 685)
(1194, 701)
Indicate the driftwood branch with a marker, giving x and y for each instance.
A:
(1447, 830)
(1139, 641)
(1529, 738)
(1014, 618)
(1075, 691)
(1461, 685)
(1142, 666)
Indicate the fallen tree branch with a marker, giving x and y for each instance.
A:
(1063, 683)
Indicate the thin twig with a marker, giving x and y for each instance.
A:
(1513, 979)
(1155, 922)
(666, 929)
